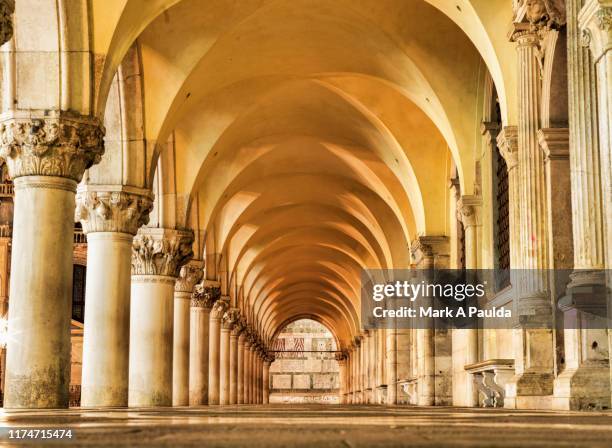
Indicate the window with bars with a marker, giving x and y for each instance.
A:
(78, 292)
(502, 222)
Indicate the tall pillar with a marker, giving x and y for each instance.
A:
(433, 344)
(381, 381)
(372, 365)
(229, 319)
(234, 357)
(266, 378)
(533, 339)
(391, 365)
(214, 349)
(110, 216)
(469, 208)
(46, 157)
(189, 275)
(7, 7)
(342, 379)
(359, 369)
(157, 257)
(241, 363)
(258, 377)
(203, 299)
(246, 379)
(595, 20)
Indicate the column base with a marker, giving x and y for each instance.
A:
(584, 388)
(529, 390)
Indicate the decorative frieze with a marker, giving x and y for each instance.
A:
(189, 275)
(161, 251)
(7, 8)
(55, 146)
(112, 208)
(206, 294)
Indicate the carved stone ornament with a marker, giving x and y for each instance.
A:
(468, 209)
(205, 295)
(341, 356)
(7, 8)
(161, 251)
(112, 210)
(238, 327)
(219, 308)
(189, 275)
(545, 13)
(507, 141)
(230, 318)
(56, 146)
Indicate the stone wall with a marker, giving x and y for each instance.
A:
(305, 370)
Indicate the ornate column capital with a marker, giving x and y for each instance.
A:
(7, 8)
(469, 208)
(205, 294)
(189, 275)
(158, 251)
(595, 21)
(218, 309)
(341, 356)
(507, 142)
(554, 143)
(59, 146)
(427, 250)
(490, 131)
(540, 14)
(112, 208)
(238, 328)
(230, 318)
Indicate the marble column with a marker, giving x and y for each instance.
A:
(342, 379)
(391, 365)
(246, 379)
(266, 378)
(359, 368)
(533, 339)
(258, 376)
(372, 365)
(241, 364)
(110, 215)
(189, 276)
(157, 257)
(46, 158)
(234, 359)
(230, 318)
(202, 300)
(469, 209)
(433, 345)
(214, 351)
(380, 366)
(7, 8)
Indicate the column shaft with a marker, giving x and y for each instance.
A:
(180, 360)
(224, 367)
(233, 377)
(198, 355)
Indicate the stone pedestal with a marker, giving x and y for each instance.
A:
(204, 297)
(46, 158)
(157, 257)
(110, 216)
(189, 275)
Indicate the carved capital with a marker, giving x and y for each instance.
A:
(554, 142)
(595, 21)
(51, 146)
(429, 246)
(341, 356)
(161, 251)
(541, 14)
(219, 308)
(238, 328)
(189, 275)
(102, 208)
(7, 8)
(230, 318)
(507, 142)
(468, 209)
(205, 295)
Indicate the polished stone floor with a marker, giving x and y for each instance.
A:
(315, 426)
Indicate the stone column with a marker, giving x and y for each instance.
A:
(157, 257)
(433, 344)
(203, 299)
(391, 366)
(46, 157)
(359, 369)
(234, 359)
(229, 319)
(380, 366)
(241, 364)
(7, 7)
(258, 377)
(372, 364)
(189, 275)
(246, 379)
(253, 373)
(469, 208)
(214, 355)
(532, 384)
(342, 379)
(110, 216)
(266, 378)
